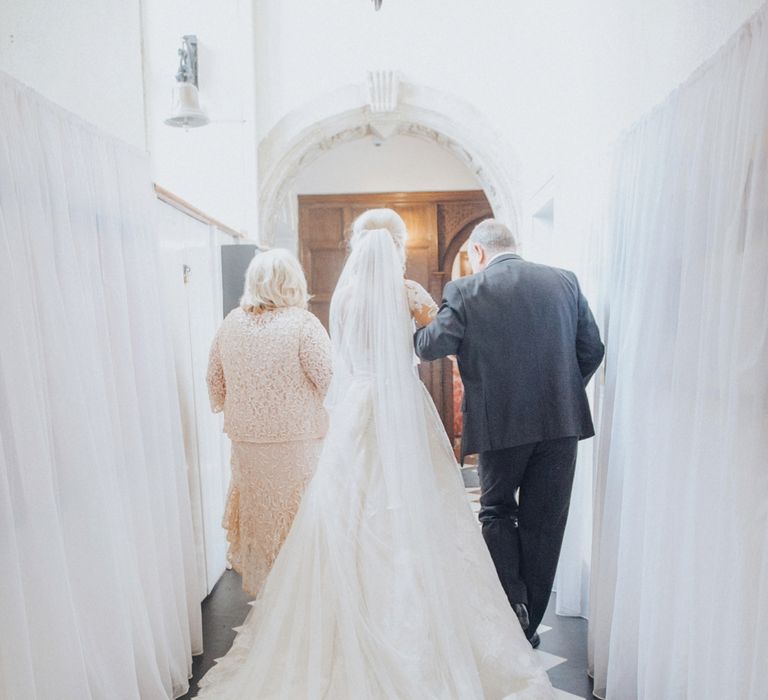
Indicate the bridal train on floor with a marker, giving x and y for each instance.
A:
(384, 587)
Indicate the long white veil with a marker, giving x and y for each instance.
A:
(376, 393)
(371, 332)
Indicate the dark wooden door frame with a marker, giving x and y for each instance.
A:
(443, 370)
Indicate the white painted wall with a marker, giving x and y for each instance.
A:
(97, 58)
(213, 167)
(84, 55)
(555, 77)
(399, 164)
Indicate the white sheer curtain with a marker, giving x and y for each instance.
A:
(577, 245)
(680, 576)
(193, 313)
(97, 568)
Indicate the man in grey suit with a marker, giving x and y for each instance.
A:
(527, 345)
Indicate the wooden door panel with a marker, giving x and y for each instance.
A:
(420, 222)
(323, 226)
(321, 309)
(418, 265)
(324, 269)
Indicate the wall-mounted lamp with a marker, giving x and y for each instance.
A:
(185, 106)
(377, 4)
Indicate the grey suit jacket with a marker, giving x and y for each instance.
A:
(526, 344)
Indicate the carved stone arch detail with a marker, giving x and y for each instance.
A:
(304, 135)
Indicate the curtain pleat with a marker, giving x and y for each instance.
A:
(98, 594)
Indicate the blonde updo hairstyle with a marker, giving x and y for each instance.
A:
(274, 280)
(376, 219)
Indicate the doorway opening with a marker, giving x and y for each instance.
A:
(438, 221)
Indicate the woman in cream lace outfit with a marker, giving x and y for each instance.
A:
(269, 370)
(384, 589)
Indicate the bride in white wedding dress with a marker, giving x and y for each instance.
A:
(384, 587)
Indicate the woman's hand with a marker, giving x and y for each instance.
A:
(422, 305)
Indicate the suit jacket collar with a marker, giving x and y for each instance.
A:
(502, 257)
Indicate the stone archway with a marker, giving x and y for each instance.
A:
(384, 107)
(399, 107)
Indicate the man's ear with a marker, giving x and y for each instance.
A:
(479, 253)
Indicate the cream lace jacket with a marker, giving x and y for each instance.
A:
(269, 373)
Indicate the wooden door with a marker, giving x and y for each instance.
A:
(437, 222)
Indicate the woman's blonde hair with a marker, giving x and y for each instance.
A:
(274, 280)
(387, 219)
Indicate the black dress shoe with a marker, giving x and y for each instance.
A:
(535, 640)
(521, 610)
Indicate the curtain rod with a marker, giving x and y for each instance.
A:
(182, 205)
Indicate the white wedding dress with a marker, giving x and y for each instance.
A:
(384, 588)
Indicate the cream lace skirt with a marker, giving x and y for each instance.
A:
(268, 482)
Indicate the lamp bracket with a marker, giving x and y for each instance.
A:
(187, 72)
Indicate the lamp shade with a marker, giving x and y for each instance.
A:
(185, 109)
